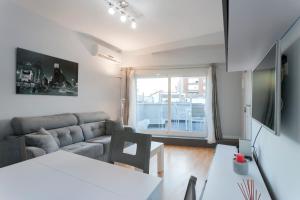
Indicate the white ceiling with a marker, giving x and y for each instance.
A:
(163, 21)
(254, 26)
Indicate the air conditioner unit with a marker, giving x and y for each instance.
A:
(107, 54)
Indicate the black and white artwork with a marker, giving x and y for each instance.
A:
(39, 74)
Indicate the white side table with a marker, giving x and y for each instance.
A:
(157, 148)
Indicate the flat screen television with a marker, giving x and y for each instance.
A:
(290, 82)
(265, 91)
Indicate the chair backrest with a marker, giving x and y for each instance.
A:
(143, 146)
(191, 189)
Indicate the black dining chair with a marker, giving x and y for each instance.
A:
(191, 189)
(141, 159)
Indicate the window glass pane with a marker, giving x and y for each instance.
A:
(152, 103)
(193, 80)
(187, 104)
(193, 88)
(186, 116)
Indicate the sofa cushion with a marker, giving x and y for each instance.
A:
(92, 130)
(43, 140)
(91, 150)
(89, 117)
(104, 140)
(67, 135)
(25, 125)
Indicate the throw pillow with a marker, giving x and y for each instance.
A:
(43, 139)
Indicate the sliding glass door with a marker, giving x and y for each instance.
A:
(152, 104)
(187, 104)
(172, 105)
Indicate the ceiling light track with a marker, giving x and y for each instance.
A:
(121, 7)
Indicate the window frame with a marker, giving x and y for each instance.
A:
(169, 74)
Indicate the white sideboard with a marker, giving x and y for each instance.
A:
(222, 182)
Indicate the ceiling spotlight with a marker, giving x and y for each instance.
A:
(133, 24)
(111, 10)
(120, 7)
(123, 4)
(123, 18)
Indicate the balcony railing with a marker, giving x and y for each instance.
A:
(184, 116)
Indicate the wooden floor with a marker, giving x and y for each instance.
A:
(180, 163)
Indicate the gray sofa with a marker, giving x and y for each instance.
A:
(86, 134)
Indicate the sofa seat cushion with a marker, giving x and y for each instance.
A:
(104, 140)
(92, 130)
(91, 150)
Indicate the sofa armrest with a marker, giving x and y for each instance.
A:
(33, 152)
(12, 150)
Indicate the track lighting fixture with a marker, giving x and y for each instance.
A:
(121, 6)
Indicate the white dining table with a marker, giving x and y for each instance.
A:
(67, 176)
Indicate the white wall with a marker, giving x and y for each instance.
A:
(280, 159)
(279, 156)
(230, 102)
(179, 57)
(20, 28)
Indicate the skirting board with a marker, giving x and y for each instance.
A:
(194, 142)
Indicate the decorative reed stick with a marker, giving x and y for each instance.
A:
(248, 190)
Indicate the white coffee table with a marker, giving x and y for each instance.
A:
(157, 148)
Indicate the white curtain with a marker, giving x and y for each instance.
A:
(211, 138)
(132, 99)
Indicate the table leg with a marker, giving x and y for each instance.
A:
(160, 160)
